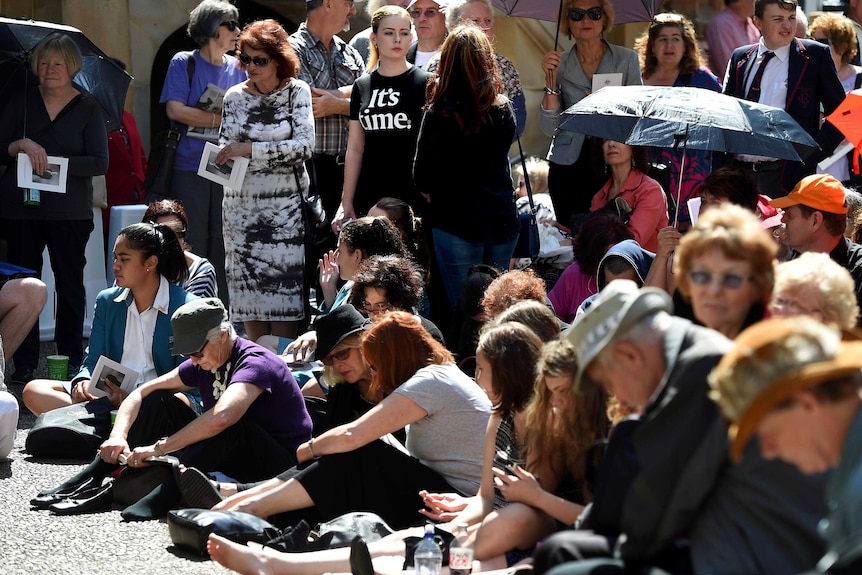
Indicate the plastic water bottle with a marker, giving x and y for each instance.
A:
(460, 555)
(32, 198)
(428, 558)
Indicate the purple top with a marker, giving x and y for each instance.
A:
(280, 410)
(177, 88)
(570, 291)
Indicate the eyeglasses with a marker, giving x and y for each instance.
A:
(246, 60)
(340, 356)
(822, 40)
(427, 12)
(378, 307)
(730, 281)
(791, 307)
(231, 25)
(196, 354)
(595, 14)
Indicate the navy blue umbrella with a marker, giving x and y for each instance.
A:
(671, 117)
(667, 117)
(107, 82)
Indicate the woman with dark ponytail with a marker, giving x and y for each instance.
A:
(132, 321)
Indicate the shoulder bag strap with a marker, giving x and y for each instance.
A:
(534, 225)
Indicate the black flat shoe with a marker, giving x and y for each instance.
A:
(198, 491)
(45, 500)
(87, 501)
(360, 558)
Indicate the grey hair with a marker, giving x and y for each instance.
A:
(206, 17)
(647, 332)
(214, 334)
(455, 10)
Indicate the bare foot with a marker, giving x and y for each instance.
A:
(227, 489)
(236, 557)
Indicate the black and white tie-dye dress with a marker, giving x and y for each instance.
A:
(263, 233)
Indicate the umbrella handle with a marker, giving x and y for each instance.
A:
(681, 172)
(559, 19)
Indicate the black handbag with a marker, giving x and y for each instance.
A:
(313, 213)
(190, 528)
(163, 151)
(72, 432)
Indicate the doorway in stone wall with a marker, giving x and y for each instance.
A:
(179, 41)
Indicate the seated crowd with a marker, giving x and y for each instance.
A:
(662, 398)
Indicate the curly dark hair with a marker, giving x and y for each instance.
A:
(268, 36)
(398, 276)
(595, 237)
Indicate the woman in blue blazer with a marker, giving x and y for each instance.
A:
(132, 321)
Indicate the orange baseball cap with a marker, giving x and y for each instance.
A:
(819, 191)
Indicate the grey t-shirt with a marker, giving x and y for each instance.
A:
(451, 438)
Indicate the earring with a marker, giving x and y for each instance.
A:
(148, 269)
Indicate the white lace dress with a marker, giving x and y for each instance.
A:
(263, 230)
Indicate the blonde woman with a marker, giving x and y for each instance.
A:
(814, 285)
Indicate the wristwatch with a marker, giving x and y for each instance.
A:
(551, 91)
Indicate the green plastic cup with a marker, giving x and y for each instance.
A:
(58, 367)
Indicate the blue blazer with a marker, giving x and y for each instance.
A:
(812, 82)
(109, 331)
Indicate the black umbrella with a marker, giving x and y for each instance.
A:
(670, 117)
(99, 76)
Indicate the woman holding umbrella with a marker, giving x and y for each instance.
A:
(53, 119)
(568, 79)
(670, 56)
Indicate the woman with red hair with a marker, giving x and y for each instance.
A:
(417, 385)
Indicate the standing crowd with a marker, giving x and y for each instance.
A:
(672, 385)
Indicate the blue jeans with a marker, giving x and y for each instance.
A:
(456, 255)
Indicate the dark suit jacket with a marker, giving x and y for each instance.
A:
(811, 82)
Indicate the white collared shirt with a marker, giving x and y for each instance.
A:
(773, 84)
(140, 327)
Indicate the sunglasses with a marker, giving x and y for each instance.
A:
(340, 356)
(427, 12)
(248, 60)
(730, 281)
(822, 40)
(197, 354)
(668, 18)
(595, 14)
(231, 25)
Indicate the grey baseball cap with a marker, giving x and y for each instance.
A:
(192, 321)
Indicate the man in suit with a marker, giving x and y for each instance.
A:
(786, 72)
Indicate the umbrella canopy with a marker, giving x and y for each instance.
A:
(661, 116)
(625, 11)
(847, 117)
(99, 76)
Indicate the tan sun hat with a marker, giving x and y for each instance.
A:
(772, 360)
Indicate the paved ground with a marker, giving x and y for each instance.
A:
(38, 542)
